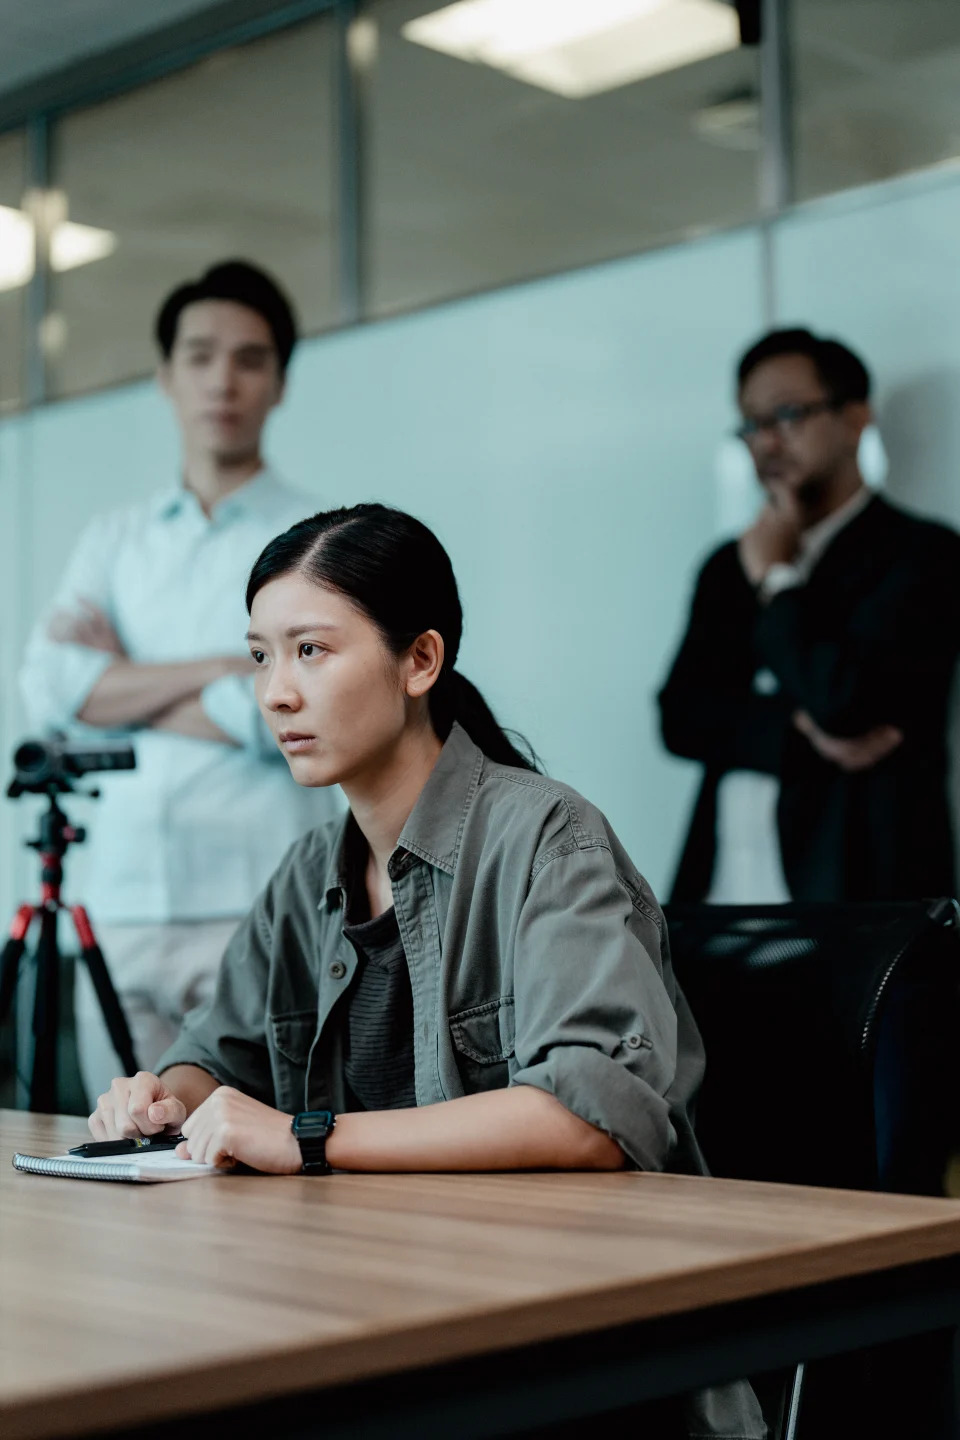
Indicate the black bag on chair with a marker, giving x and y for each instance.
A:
(832, 1035)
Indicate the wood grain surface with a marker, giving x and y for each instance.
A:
(240, 1287)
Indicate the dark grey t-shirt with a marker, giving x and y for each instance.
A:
(377, 1022)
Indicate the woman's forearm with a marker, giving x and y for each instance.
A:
(520, 1128)
(129, 694)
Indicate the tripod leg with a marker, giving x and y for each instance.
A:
(10, 959)
(110, 1007)
(46, 1016)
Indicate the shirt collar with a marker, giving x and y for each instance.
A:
(814, 541)
(246, 499)
(434, 827)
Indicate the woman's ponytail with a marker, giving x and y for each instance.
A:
(455, 698)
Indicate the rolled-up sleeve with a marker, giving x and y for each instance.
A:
(56, 679)
(231, 703)
(226, 1036)
(595, 1025)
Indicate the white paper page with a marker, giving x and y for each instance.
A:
(164, 1165)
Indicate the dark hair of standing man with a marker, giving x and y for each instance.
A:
(842, 374)
(242, 283)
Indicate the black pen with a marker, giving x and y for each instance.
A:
(123, 1147)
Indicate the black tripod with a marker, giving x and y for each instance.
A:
(56, 835)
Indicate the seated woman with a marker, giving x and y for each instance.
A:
(467, 973)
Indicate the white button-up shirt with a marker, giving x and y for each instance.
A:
(196, 830)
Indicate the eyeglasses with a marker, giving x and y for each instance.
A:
(786, 419)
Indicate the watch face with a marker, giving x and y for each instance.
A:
(310, 1124)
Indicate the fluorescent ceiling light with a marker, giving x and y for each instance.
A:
(70, 245)
(579, 47)
(16, 248)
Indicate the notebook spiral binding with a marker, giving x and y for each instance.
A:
(76, 1169)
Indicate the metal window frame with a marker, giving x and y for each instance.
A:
(38, 105)
(776, 172)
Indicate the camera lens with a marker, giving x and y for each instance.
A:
(30, 758)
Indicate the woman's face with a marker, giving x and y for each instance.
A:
(334, 697)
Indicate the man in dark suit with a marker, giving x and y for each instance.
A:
(814, 677)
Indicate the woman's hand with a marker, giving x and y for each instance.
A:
(230, 1127)
(138, 1105)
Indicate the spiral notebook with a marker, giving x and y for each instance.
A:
(146, 1169)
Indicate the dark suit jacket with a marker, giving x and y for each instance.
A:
(871, 639)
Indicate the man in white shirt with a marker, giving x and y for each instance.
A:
(146, 638)
(814, 678)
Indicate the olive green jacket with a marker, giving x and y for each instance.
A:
(537, 956)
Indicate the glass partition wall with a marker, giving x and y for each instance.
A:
(392, 154)
(876, 89)
(232, 157)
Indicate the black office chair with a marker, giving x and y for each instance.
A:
(832, 1035)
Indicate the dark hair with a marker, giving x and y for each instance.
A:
(842, 374)
(396, 572)
(244, 284)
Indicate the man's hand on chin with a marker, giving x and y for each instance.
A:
(774, 537)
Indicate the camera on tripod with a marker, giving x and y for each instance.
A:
(50, 767)
(43, 767)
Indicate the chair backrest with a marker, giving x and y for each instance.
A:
(832, 1035)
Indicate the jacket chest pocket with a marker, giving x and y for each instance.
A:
(483, 1044)
(291, 1037)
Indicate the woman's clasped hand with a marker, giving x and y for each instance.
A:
(231, 1128)
(226, 1128)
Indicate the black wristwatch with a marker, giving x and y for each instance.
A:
(311, 1127)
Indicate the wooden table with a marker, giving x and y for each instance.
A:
(536, 1296)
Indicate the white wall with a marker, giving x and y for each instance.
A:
(559, 436)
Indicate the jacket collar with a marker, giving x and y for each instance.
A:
(434, 826)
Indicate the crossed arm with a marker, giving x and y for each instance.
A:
(163, 696)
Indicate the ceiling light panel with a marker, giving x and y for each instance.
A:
(575, 48)
(16, 248)
(71, 245)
